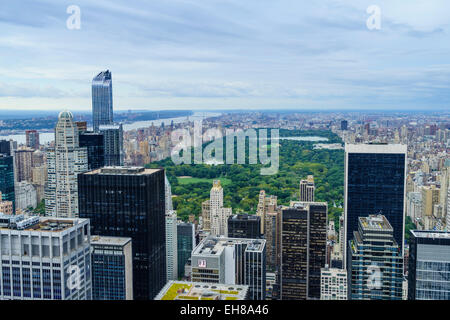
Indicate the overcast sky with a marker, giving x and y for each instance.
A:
(211, 54)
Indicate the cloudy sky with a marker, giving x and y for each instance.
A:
(224, 54)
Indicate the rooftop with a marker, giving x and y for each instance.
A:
(214, 245)
(103, 240)
(36, 223)
(182, 290)
(375, 148)
(375, 222)
(431, 234)
(123, 170)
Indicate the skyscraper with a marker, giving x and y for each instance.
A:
(102, 100)
(429, 265)
(307, 189)
(231, 261)
(24, 163)
(64, 163)
(32, 139)
(219, 214)
(244, 226)
(112, 268)
(113, 144)
(272, 234)
(303, 245)
(129, 202)
(266, 204)
(375, 261)
(45, 259)
(186, 243)
(5, 147)
(7, 178)
(95, 145)
(375, 183)
(171, 246)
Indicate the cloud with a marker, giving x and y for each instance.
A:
(249, 54)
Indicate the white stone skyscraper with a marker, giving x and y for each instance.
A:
(219, 214)
(64, 162)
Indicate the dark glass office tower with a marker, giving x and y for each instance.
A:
(113, 144)
(185, 244)
(375, 184)
(244, 226)
(7, 178)
(130, 202)
(94, 143)
(344, 125)
(102, 100)
(5, 147)
(303, 246)
(429, 265)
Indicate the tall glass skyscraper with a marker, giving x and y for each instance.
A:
(102, 100)
(185, 245)
(429, 265)
(375, 180)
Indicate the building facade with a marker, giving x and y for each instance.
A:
(375, 261)
(307, 189)
(113, 144)
(64, 162)
(171, 246)
(45, 258)
(7, 178)
(102, 100)
(94, 143)
(112, 268)
(186, 243)
(129, 202)
(304, 246)
(333, 284)
(231, 261)
(244, 226)
(429, 265)
(375, 180)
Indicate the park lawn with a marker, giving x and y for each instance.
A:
(190, 180)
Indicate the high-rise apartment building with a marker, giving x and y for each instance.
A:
(23, 158)
(45, 258)
(32, 139)
(375, 261)
(231, 261)
(171, 246)
(112, 144)
(7, 178)
(307, 189)
(375, 179)
(303, 245)
(430, 197)
(186, 243)
(64, 162)
(333, 284)
(266, 204)
(129, 202)
(429, 265)
(244, 226)
(102, 100)
(112, 268)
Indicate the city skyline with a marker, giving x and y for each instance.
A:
(227, 55)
